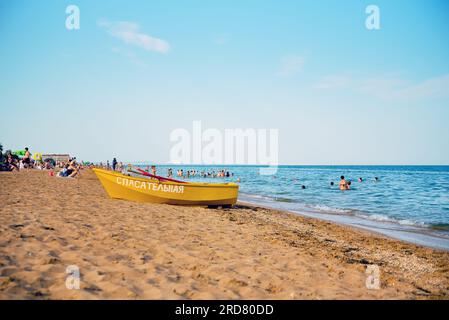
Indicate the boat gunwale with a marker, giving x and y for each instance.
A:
(154, 180)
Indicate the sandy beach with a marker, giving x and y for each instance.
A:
(127, 250)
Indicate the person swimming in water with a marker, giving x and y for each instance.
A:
(360, 179)
(332, 183)
(343, 184)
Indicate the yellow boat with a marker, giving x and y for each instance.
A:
(154, 190)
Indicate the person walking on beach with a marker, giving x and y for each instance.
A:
(26, 160)
(107, 165)
(114, 163)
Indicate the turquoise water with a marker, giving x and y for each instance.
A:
(416, 196)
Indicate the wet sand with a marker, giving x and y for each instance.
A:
(127, 250)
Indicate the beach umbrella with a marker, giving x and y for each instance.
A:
(19, 153)
(52, 161)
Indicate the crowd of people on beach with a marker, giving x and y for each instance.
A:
(15, 163)
(11, 161)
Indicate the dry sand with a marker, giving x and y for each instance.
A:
(147, 251)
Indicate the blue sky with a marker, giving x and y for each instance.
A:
(136, 70)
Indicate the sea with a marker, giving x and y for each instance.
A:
(409, 203)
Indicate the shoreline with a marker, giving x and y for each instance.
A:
(424, 236)
(128, 250)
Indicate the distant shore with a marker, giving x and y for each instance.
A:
(132, 250)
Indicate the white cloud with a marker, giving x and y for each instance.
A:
(388, 87)
(291, 65)
(129, 33)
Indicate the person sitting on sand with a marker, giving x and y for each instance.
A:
(12, 163)
(343, 184)
(47, 165)
(63, 171)
(69, 170)
(73, 168)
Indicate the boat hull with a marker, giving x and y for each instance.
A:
(119, 186)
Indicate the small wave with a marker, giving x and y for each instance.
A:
(267, 198)
(385, 218)
(376, 217)
(255, 196)
(326, 209)
(278, 199)
(373, 217)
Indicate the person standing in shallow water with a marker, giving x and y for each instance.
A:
(114, 163)
(343, 184)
